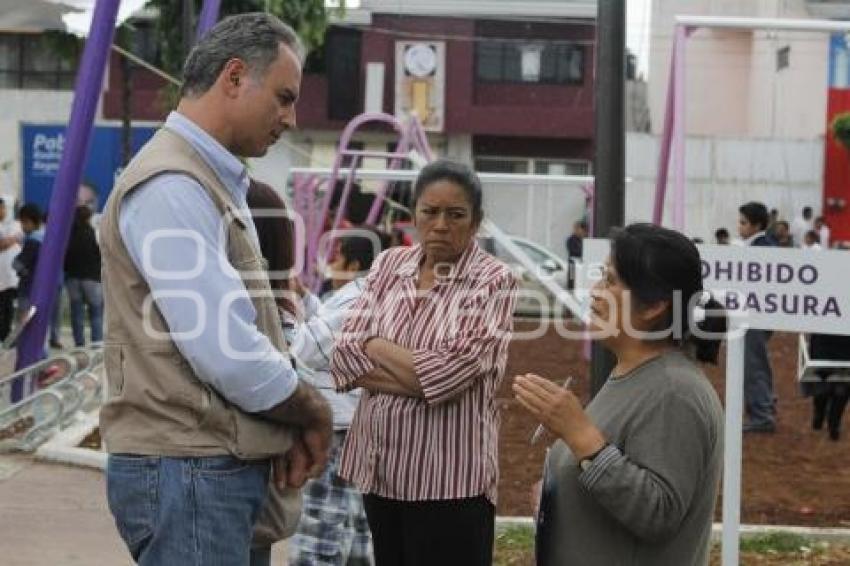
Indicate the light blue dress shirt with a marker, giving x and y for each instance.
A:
(173, 233)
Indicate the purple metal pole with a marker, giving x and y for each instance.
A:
(64, 198)
(413, 135)
(666, 138)
(208, 18)
(344, 139)
(403, 146)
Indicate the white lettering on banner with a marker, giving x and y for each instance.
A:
(46, 153)
(788, 289)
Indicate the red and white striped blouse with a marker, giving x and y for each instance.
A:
(444, 446)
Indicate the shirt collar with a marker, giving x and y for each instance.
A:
(754, 237)
(459, 270)
(227, 166)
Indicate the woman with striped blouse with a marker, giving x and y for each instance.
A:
(427, 342)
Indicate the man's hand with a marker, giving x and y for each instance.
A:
(306, 408)
(307, 411)
(306, 459)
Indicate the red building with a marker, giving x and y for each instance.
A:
(515, 82)
(517, 91)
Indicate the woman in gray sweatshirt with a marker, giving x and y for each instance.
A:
(633, 478)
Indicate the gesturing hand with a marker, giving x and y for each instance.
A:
(560, 411)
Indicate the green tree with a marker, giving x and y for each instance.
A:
(309, 18)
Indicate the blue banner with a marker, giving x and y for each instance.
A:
(42, 150)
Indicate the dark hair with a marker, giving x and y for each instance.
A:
(275, 232)
(807, 211)
(755, 213)
(581, 224)
(658, 264)
(815, 237)
(82, 214)
(783, 223)
(820, 219)
(774, 212)
(459, 174)
(253, 37)
(32, 212)
(360, 246)
(721, 233)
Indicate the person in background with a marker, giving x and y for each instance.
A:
(333, 528)
(782, 234)
(831, 394)
(721, 237)
(759, 398)
(55, 326)
(811, 241)
(575, 245)
(25, 262)
(824, 233)
(633, 477)
(88, 196)
(771, 226)
(82, 278)
(10, 239)
(801, 225)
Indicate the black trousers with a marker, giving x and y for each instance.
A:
(7, 311)
(453, 532)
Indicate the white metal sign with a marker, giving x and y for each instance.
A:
(788, 289)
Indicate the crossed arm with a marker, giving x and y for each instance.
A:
(393, 373)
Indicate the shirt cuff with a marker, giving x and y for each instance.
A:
(311, 304)
(274, 391)
(351, 364)
(430, 371)
(589, 477)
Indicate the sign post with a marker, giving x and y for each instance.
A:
(791, 290)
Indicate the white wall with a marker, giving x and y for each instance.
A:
(34, 106)
(722, 174)
(733, 87)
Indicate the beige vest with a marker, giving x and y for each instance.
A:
(156, 404)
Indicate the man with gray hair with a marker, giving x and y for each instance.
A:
(202, 398)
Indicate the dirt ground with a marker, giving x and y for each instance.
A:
(794, 477)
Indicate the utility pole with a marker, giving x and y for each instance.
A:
(610, 143)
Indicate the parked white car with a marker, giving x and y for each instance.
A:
(534, 298)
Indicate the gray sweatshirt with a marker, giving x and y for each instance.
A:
(648, 498)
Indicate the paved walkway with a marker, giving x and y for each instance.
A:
(56, 515)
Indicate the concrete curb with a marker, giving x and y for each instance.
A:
(820, 534)
(64, 446)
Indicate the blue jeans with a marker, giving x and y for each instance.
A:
(758, 379)
(83, 293)
(187, 511)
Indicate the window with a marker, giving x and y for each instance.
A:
(29, 61)
(538, 166)
(502, 165)
(561, 167)
(783, 58)
(508, 61)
